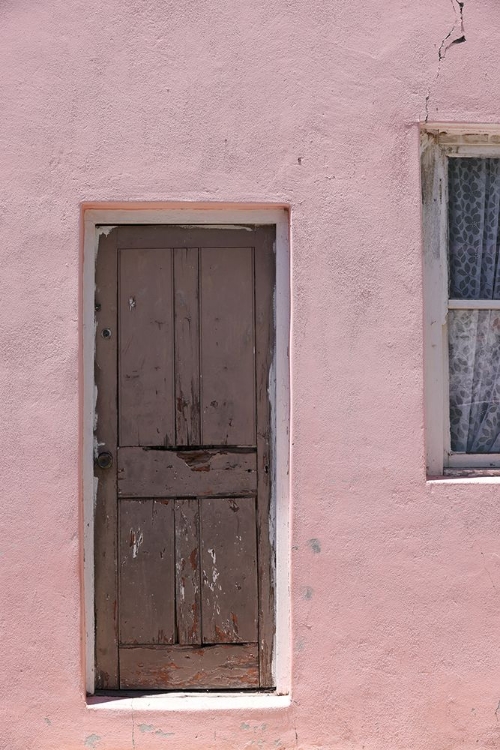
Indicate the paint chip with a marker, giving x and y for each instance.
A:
(150, 729)
(315, 545)
(136, 539)
(104, 230)
(91, 740)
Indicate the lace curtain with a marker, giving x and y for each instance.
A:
(474, 335)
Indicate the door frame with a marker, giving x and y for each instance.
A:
(98, 220)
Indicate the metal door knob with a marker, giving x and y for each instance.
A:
(105, 460)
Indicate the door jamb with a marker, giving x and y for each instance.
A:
(100, 220)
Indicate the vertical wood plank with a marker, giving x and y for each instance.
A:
(187, 347)
(265, 271)
(147, 610)
(227, 346)
(187, 570)
(229, 570)
(146, 381)
(105, 535)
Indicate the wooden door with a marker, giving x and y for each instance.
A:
(183, 558)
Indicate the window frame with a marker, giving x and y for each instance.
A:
(440, 142)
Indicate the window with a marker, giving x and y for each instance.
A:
(461, 199)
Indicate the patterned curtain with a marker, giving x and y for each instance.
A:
(474, 274)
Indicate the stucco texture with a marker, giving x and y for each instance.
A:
(395, 607)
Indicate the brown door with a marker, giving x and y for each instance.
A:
(183, 559)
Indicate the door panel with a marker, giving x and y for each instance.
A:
(185, 328)
(146, 368)
(187, 571)
(146, 601)
(181, 667)
(229, 570)
(227, 347)
(187, 347)
(144, 472)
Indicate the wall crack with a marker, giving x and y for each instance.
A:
(456, 35)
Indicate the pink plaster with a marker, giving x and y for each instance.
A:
(396, 607)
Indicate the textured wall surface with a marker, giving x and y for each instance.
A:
(395, 607)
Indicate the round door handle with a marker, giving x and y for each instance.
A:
(105, 460)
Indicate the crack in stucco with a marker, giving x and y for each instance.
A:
(133, 723)
(487, 571)
(456, 35)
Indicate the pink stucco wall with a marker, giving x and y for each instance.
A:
(396, 609)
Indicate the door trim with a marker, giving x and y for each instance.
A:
(97, 221)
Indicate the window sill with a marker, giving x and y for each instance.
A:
(466, 476)
(189, 702)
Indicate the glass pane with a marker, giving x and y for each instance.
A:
(474, 355)
(473, 228)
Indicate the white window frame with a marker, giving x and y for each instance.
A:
(98, 219)
(440, 142)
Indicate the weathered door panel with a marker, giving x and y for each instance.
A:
(187, 571)
(227, 347)
(146, 603)
(146, 342)
(144, 472)
(229, 570)
(187, 347)
(184, 563)
(184, 667)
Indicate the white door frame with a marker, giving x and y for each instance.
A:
(100, 220)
